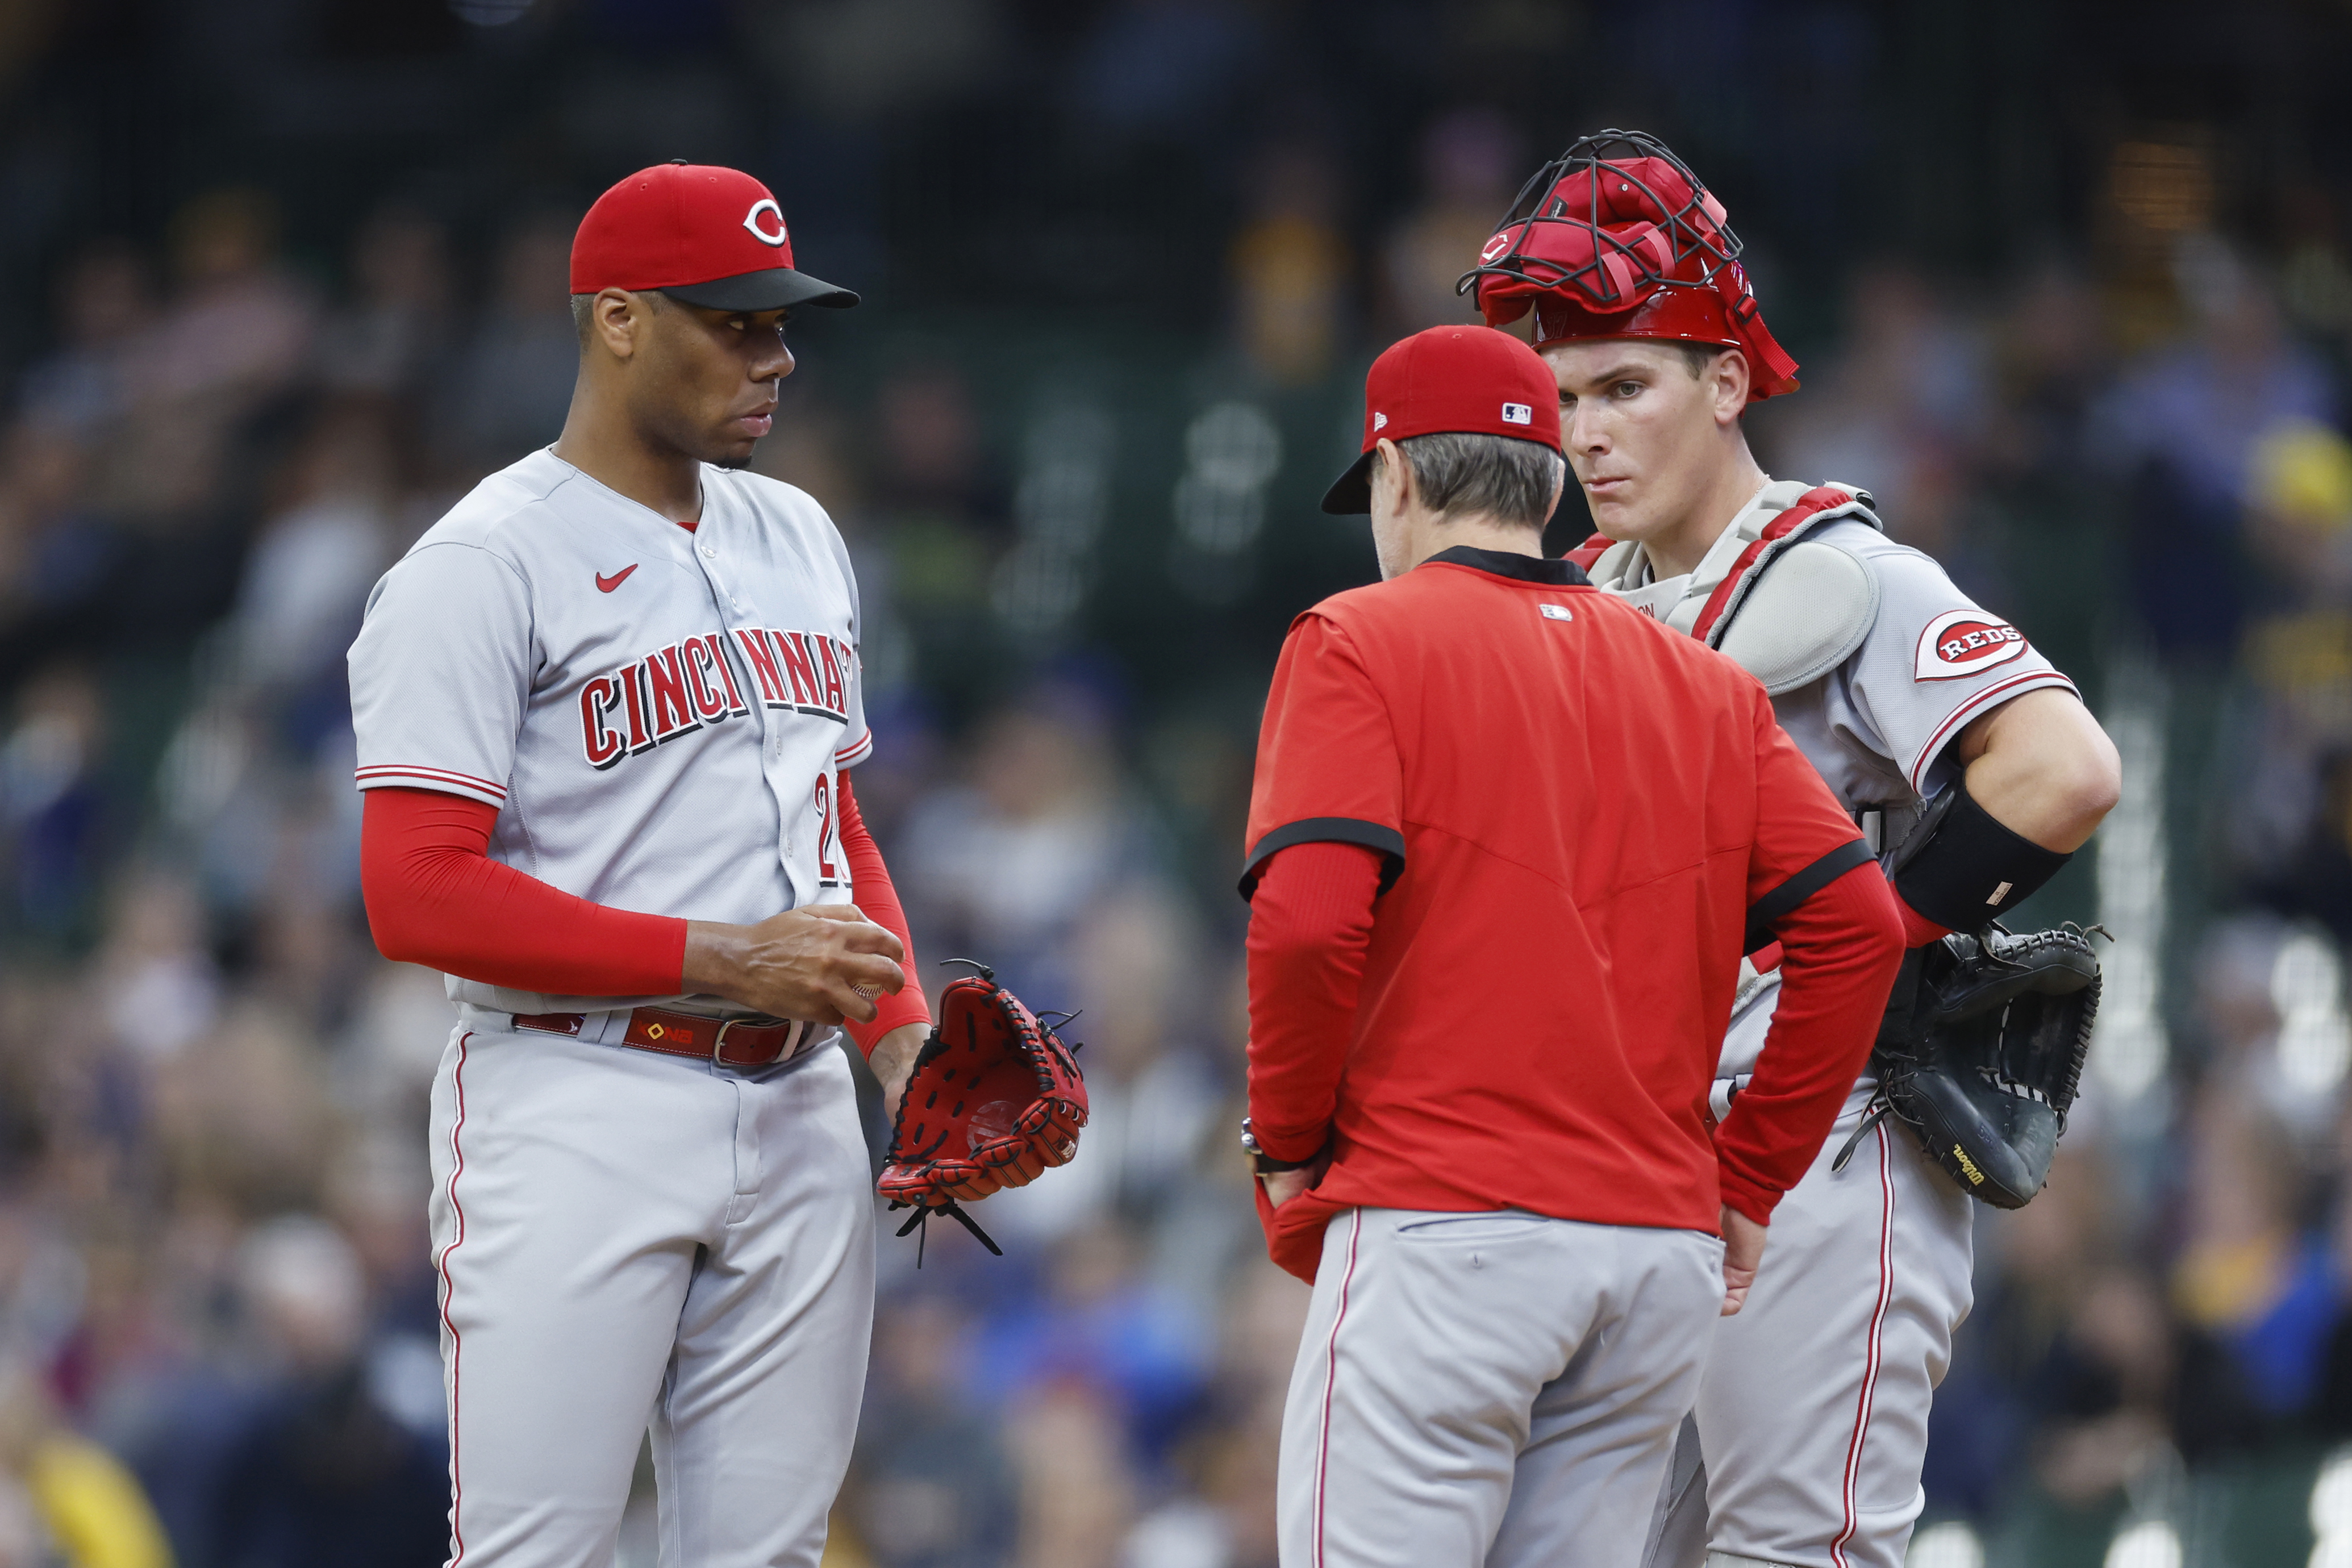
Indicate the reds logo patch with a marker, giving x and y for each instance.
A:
(1963, 642)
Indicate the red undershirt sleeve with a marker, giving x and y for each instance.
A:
(869, 882)
(1310, 928)
(434, 897)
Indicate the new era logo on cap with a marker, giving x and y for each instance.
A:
(1519, 414)
(1379, 421)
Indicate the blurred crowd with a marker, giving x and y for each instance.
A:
(217, 1323)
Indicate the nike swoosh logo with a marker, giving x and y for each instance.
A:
(607, 584)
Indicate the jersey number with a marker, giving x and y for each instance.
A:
(828, 837)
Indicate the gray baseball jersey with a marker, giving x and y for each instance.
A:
(1812, 1423)
(658, 715)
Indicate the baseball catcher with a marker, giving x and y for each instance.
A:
(994, 1100)
(1973, 770)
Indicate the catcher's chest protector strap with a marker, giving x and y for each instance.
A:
(1791, 607)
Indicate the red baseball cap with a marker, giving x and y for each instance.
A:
(701, 234)
(1472, 380)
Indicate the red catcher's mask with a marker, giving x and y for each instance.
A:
(1617, 238)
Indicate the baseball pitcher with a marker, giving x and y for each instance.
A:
(606, 709)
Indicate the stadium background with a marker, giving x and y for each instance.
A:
(282, 277)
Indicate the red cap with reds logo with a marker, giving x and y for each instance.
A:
(1617, 238)
(702, 234)
(1471, 380)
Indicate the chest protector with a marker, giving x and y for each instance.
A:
(1789, 607)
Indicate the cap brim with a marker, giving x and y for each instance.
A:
(1351, 492)
(773, 290)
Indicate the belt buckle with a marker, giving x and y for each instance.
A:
(726, 1024)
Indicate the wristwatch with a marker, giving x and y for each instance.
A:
(1267, 1163)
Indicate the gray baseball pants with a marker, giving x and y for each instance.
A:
(626, 1239)
(1496, 1389)
(1806, 1444)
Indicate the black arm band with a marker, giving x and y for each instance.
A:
(1960, 868)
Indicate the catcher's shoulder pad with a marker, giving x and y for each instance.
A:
(1808, 610)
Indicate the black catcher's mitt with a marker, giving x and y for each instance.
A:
(1981, 1052)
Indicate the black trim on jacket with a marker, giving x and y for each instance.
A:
(1782, 901)
(1388, 841)
(1552, 572)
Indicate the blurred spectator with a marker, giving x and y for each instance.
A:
(1470, 163)
(63, 1500)
(1010, 864)
(513, 386)
(2248, 1274)
(53, 809)
(390, 336)
(1077, 1489)
(161, 987)
(323, 1472)
(1898, 412)
(307, 579)
(932, 1486)
(240, 328)
(2180, 431)
(1290, 267)
(105, 304)
(1100, 1327)
(54, 555)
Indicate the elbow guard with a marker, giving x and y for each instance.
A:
(1960, 868)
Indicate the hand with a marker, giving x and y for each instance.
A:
(1743, 1252)
(802, 963)
(1281, 1187)
(893, 1060)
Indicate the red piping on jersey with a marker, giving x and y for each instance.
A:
(2014, 686)
(1811, 504)
(1330, 1384)
(1862, 1411)
(456, 1345)
(384, 772)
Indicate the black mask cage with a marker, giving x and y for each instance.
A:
(1689, 228)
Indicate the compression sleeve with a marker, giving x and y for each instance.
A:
(1840, 949)
(869, 882)
(434, 897)
(1310, 928)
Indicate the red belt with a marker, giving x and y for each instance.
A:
(723, 1042)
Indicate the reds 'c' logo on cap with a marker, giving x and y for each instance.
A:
(765, 205)
(1962, 642)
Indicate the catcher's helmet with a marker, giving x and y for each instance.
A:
(1617, 238)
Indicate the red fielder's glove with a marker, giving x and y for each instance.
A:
(993, 1099)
